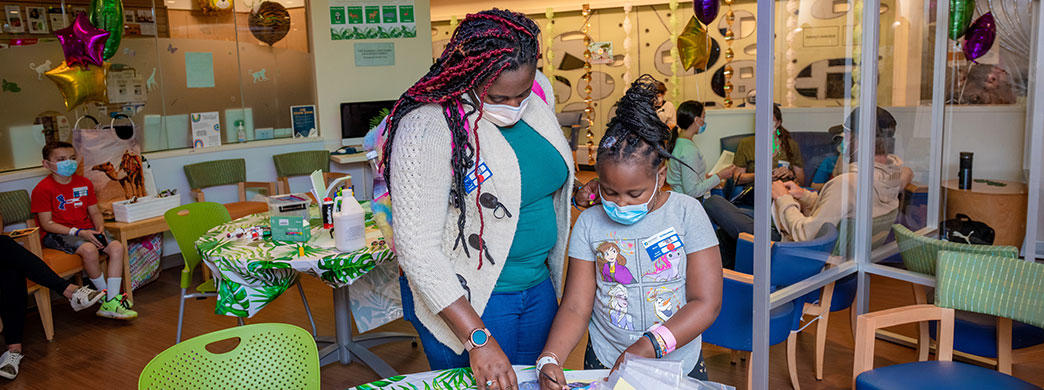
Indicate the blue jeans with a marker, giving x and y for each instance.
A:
(520, 321)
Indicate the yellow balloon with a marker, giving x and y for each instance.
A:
(693, 45)
(79, 85)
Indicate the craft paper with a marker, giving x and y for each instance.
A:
(154, 137)
(177, 129)
(206, 129)
(199, 69)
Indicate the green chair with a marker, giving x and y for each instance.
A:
(992, 285)
(267, 356)
(303, 164)
(920, 254)
(187, 223)
(227, 172)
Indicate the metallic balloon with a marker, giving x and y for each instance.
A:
(270, 23)
(79, 85)
(82, 42)
(980, 36)
(694, 46)
(960, 15)
(108, 15)
(706, 10)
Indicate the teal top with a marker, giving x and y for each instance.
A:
(693, 182)
(543, 171)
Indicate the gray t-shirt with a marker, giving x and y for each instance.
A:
(640, 272)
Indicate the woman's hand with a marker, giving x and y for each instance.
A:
(587, 194)
(489, 363)
(782, 173)
(779, 189)
(727, 173)
(643, 347)
(795, 190)
(552, 371)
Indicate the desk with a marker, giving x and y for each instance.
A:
(1003, 208)
(362, 185)
(126, 231)
(250, 274)
(461, 378)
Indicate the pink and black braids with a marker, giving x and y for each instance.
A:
(483, 45)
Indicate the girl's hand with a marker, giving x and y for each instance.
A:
(587, 194)
(643, 347)
(555, 372)
(489, 363)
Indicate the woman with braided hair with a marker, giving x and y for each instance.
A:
(480, 181)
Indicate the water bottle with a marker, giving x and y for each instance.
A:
(964, 172)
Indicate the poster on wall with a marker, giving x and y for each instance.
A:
(146, 21)
(206, 129)
(14, 19)
(58, 18)
(372, 19)
(601, 52)
(302, 118)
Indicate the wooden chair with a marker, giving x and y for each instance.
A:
(227, 172)
(980, 283)
(303, 164)
(14, 207)
(920, 254)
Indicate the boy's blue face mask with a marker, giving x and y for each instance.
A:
(65, 168)
(628, 215)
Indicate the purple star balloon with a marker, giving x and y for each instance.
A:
(82, 42)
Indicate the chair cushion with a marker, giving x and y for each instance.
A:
(238, 210)
(61, 263)
(977, 334)
(938, 375)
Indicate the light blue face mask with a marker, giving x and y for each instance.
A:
(627, 215)
(65, 168)
(703, 128)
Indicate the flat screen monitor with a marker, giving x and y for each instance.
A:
(356, 117)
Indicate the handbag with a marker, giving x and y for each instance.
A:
(965, 230)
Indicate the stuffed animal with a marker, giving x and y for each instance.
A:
(215, 5)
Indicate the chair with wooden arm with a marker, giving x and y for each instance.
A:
(14, 208)
(227, 172)
(303, 164)
(975, 334)
(978, 283)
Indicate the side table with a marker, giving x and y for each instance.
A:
(126, 231)
(1001, 207)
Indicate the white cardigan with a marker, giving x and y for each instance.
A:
(426, 222)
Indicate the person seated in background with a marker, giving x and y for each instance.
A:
(798, 214)
(787, 163)
(18, 264)
(66, 207)
(694, 182)
(831, 164)
(664, 108)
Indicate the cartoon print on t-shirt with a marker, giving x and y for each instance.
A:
(665, 268)
(665, 304)
(618, 308)
(613, 264)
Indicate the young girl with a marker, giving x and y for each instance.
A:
(669, 247)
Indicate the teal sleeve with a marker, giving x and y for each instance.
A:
(695, 183)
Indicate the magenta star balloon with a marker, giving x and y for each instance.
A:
(82, 42)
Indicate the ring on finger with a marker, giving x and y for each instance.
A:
(490, 383)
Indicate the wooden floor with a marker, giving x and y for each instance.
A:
(95, 353)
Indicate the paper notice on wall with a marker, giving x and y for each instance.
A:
(372, 19)
(206, 129)
(199, 69)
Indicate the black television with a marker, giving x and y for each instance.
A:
(355, 117)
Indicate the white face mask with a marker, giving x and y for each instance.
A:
(504, 115)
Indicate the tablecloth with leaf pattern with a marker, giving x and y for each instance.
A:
(253, 273)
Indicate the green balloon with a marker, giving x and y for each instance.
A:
(108, 15)
(960, 16)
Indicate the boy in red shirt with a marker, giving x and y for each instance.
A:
(67, 209)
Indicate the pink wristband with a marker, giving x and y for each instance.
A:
(667, 337)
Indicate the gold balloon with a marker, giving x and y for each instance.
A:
(693, 45)
(79, 85)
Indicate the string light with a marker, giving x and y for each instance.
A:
(730, 35)
(675, 80)
(588, 108)
(549, 55)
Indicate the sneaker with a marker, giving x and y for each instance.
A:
(85, 297)
(9, 364)
(117, 308)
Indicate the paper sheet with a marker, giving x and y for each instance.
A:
(199, 69)
(724, 161)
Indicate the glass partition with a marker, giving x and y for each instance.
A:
(250, 65)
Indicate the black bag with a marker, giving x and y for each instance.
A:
(964, 230)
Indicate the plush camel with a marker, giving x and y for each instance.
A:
(129, 190)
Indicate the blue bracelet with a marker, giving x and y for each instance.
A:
(655, 344)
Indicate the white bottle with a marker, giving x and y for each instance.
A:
(349, 224)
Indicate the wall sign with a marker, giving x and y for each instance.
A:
(374, 54)
(206, 129)
(372, 19)
(302, 118)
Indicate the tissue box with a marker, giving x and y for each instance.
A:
(144, 208)
(289, 205)
(290, 228)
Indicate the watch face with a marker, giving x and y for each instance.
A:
(478, 337)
